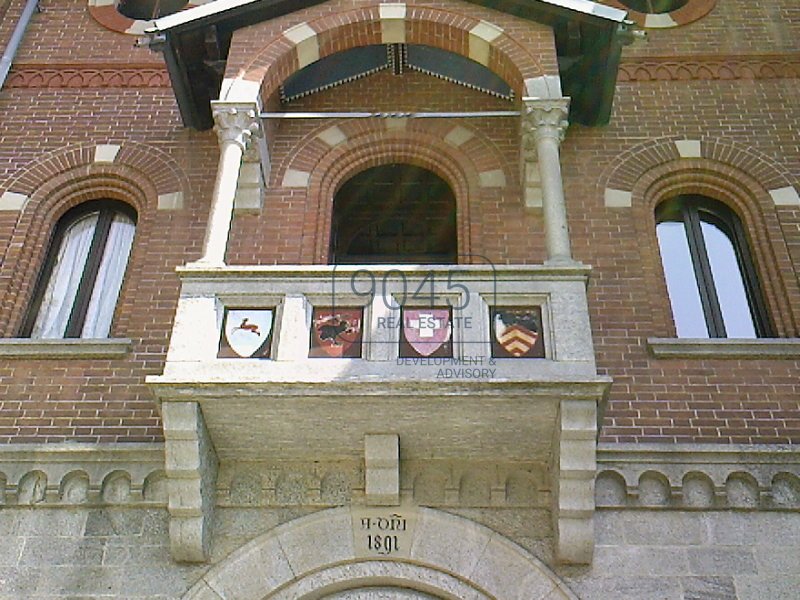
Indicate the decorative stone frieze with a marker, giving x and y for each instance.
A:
(66, 475)
(695, 476)
(87, 76)
(706, 68)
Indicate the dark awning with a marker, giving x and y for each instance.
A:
(361, 61)
(588, 37)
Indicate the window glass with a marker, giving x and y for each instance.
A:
(109, 278)
(65, 278)
(684, 296)
(394, 213)
(710, 276)
(79, 287)
(728, 282)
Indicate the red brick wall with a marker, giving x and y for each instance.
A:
(503, 230)
(732, 27)
(680, 400)
(651, 399)
(48, 131)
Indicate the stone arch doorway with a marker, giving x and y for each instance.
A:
(380, 593)
(325, 556)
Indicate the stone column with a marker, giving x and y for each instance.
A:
(544, 123)
(236, 123)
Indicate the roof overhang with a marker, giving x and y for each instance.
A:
(589, 38)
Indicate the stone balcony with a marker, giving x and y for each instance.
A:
(463, 401)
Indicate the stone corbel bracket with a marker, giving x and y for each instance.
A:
(573, 473)
(191, 466)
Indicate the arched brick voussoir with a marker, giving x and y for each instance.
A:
(748, 198)
(444, 555)
(315, 33)
(129, 172)
(629, 166)
(370, 144)
(46, 205)
(153, 165)
(468, 146)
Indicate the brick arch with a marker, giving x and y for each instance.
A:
(270, 65)
(371, 144)
(625, 170)
(748, 198)
(156, 165)
(60, 181)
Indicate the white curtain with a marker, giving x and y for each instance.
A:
(59, 297)
(109, 278)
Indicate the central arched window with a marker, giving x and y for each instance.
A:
(82, 276)
(710, 274)
(394, 213)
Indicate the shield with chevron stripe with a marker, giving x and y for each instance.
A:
(517, 333)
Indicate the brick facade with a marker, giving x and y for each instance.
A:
(747, 125)
(151, 465)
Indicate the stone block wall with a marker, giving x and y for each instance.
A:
(640, 554)
(691, 555)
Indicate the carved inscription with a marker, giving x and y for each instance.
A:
(382, 533)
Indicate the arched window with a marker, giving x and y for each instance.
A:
(79, 285)
(395, 213)
(711, 278)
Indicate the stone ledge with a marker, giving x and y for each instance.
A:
(698, 453)
(63, 475)
(698, 476)
(16, 348)
(770, 348)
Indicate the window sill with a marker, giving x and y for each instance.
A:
(768, 348)
(12, 348)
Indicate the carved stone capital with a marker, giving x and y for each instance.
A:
(543, 119)
(236, 123)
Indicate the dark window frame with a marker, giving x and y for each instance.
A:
(107, 210)
(692, 210)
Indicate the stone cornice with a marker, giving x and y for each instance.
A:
(710, 68)
(698, 476)
(72, 474)
(103, 75)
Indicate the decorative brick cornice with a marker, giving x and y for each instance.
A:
(693, 68)
(88, 76)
